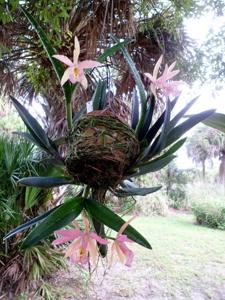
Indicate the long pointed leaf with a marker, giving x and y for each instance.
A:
(148, 119)
(125, 192)
(58, 67)
(135, 110)
(37, 132)
(27, 137)
(216, 121)
(112, 50)
(152, 166)
(179, 130)
(45, 182)
(160, 141)
(29, 223)
(138, 82)
(177, 118)
(59, 218)
(98, 98)
(104, 215)
(152, 132)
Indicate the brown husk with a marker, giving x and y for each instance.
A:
(101, 149)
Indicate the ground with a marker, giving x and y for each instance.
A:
(187, 262)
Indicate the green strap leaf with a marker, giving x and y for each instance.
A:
(98, 99)
(58, 67)
(152, 166)
(179, 130)
(138, 82)
(37, 132)
(125, 192)
(29, 223)
(135, 110)
(152, 132)
(177, 118)
(27, 137)
(45, 182)
(216, 121)
(112, 50)
(59, 218)
(160, 141)
(148, 119)
(104, 215)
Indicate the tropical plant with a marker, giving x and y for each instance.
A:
(102, 153)
(206, 144)
(19, 269)
(150, 28)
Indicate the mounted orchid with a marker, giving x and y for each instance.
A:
(103, 155)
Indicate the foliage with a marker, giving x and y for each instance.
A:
(20, 270)
(205, 144)
(176, 181)
(152, 28)
(210, 214)
(206, 197)
(156, 205)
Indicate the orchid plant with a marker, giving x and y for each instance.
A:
(104, 155)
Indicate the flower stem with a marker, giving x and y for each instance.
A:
(69, 116)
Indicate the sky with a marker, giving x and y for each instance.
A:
(198, 29)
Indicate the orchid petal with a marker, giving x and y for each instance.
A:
(172, 66)
(123, 238)
(64, 59)
(124, 226)
(128, 253)
(92, 247)
(67, 235)
(83, 81)
(73, 247)
(72, 77)
(157, 66)
(120, 254)
(76, 51)
(66, 76)
(96, 237)
(86, 223)
(88, 64)
(149, 76)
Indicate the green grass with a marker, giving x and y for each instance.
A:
(185, 257)
(187, 262)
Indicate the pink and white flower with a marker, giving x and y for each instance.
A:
(83, 246)
(119, 247)
(164, 82)
(75, 70)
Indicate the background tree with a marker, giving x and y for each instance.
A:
(205, 144)
(151, 27)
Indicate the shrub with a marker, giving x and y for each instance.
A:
(152, 205)
(210, 214)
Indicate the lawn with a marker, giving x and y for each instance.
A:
(187, 262)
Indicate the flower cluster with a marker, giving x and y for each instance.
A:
(83, 248)
(75, 73)
(163, 82)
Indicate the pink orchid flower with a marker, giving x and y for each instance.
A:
(83, 244)
(124, 254)
(75, 71)
(163, 82)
